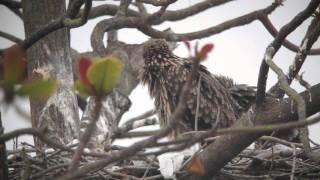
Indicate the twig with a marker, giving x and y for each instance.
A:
(280, 141)
(276, 44)
(157, 2)
(197, 108)
(10, 37)
(293, 161)
(235, 130)
(40, 133)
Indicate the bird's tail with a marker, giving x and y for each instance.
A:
(244, 95)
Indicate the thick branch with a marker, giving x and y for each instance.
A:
(272, 111)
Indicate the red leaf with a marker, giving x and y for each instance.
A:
(14, 65)
(204, 51)
(84, 65)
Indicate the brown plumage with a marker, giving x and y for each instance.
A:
(165, 74)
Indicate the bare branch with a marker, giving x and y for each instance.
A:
(10, 37)
(310, 38)
(239, 21)
(157, 2)
(278, 41)
(273, 31)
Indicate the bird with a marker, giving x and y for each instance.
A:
(213, 100)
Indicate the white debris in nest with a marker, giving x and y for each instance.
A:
(86, 150)
(75, 141)
(49, 150)
(172, 162)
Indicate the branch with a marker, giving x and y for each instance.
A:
(140, 23)
(276, 44)
(274, 32)
(293, 94)
(10, 37)
(310, 38)
(157, 2)
(272, 111)
(239, 21)
(40, 133)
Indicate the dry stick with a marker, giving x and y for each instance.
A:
(10, 37)
(293, 169)
(276, 44)
(86, 135)
(280, 141)
(236, 130)
(40, 133)
(136, 147)
(197, 108)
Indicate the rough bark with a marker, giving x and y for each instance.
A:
(51, 55)
(219, 153)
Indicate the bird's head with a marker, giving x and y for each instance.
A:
(156, 51)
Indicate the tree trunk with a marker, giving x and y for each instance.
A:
(51, 55)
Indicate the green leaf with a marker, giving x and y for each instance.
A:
(80, 89)
(104, 73)
(38, 89)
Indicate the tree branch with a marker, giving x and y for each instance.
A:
(278, 41)
(10, 37)
(273, 31)
(230, 145)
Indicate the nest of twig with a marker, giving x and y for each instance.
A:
(277, 162)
